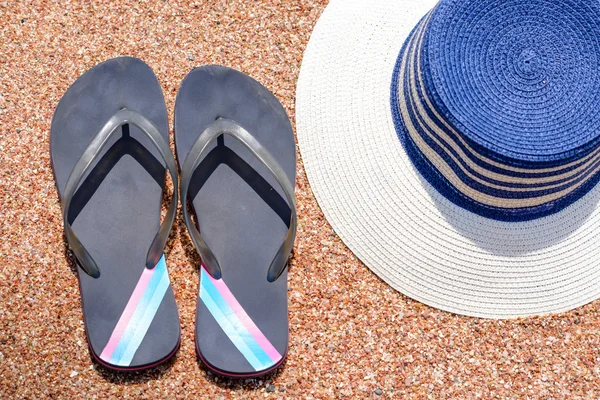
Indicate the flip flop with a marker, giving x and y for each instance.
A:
(239, 174)
(109, 146)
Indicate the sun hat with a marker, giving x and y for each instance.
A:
(454, 146)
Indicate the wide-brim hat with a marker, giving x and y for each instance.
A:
(454, 147)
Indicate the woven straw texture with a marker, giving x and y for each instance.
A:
(391, 217)
(492, 101)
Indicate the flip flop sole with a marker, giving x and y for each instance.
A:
(130, 314)
(242, 321)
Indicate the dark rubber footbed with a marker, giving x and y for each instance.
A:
(241, 210)
(116, 210)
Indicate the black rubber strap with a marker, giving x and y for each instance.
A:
(85, 162)
(231, 128)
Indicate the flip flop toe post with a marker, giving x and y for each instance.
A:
(110, 154)
(237, 155)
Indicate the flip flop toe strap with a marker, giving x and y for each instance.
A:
(87, 160)
(192, 160)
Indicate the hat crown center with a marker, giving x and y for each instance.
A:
(528, 62)
(520, 78)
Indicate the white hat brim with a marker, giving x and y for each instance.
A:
(412, 237)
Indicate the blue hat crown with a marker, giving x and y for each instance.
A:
(497, 103)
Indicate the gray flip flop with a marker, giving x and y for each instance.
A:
(109, 145)
(237, 154)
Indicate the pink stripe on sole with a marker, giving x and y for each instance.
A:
(137, 294)
(260, 338)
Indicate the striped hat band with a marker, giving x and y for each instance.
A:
(496, 104)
